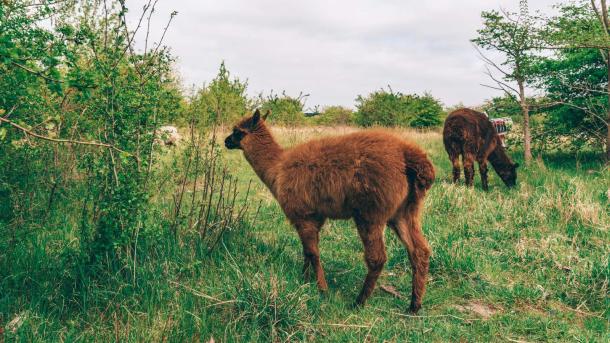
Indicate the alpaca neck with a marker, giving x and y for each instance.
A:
(263, 153)
(499, 159)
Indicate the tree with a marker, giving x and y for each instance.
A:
(425, 110)
(389, 108)
(577, 75)
(335, 115)
(575, 84)
(285, 109)
(223, 101)
(515, 37)
(502, 106)
(604, 22)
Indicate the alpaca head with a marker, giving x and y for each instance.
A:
(509, 174)
(244, 129)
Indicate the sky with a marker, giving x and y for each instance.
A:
(331, 50)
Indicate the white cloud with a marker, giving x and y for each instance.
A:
(333, 50)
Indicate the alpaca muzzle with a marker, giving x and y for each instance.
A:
(230, 144)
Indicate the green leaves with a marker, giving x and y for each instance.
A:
(387, 108)
(223, 101)
(285, 109)
(514, 35)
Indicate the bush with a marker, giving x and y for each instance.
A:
(334, 115)
(223, 101)
(389, 108)
(285, 109)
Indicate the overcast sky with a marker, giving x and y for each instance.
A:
(332, 50)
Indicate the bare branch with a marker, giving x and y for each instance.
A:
(130, 38)
(605, 17)
(499, 82)
(171, 17)
(63, 141)
(152, 10)
(37, 73)
(490, 62)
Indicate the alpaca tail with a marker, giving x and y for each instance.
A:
(420, 171)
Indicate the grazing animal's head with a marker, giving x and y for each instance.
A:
(244, 129)
(508, 174)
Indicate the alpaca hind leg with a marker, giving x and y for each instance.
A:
(408, 229)
(468, 163)
(309, 234)
(374, 256)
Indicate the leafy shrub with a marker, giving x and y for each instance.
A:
(285, 109)
(223, 101)
(334, 115)
(389, 108)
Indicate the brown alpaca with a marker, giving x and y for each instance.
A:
(470, 133)
(374, 177)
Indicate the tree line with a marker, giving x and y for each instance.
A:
(555, 69)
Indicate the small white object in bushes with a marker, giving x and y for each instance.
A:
(168, 135)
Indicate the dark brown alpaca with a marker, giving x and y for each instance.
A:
(470, 133)
(374, 177)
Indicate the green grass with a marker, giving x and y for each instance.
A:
(527, 264)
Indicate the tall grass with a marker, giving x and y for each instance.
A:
(527, 264)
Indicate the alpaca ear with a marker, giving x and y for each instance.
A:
(266, 114)
(256, 117)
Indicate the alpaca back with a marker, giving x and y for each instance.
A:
(336, 176)
(469, 132)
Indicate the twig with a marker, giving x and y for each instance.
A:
(203, 295)
(368, 334)
(342, 325)
(37, 73)
(515, 340)
(431, 316)
(66, 141)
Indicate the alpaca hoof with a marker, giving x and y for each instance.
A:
(356, 306)
(360, 301)
(414, 308)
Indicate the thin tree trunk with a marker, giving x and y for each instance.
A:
(525, 109)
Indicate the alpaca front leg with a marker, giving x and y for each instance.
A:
(374, 256)
(309, 234)
(455, 162)
(483, 172)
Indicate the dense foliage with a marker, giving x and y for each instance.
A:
(85, 192)
(389, 108)
(284, 109)
(565, 58)
(335, 115)
(574, 81)
(223, 101)
(78, 82)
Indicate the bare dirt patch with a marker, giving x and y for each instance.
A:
(483, 310)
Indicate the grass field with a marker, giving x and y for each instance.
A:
(526, 264)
